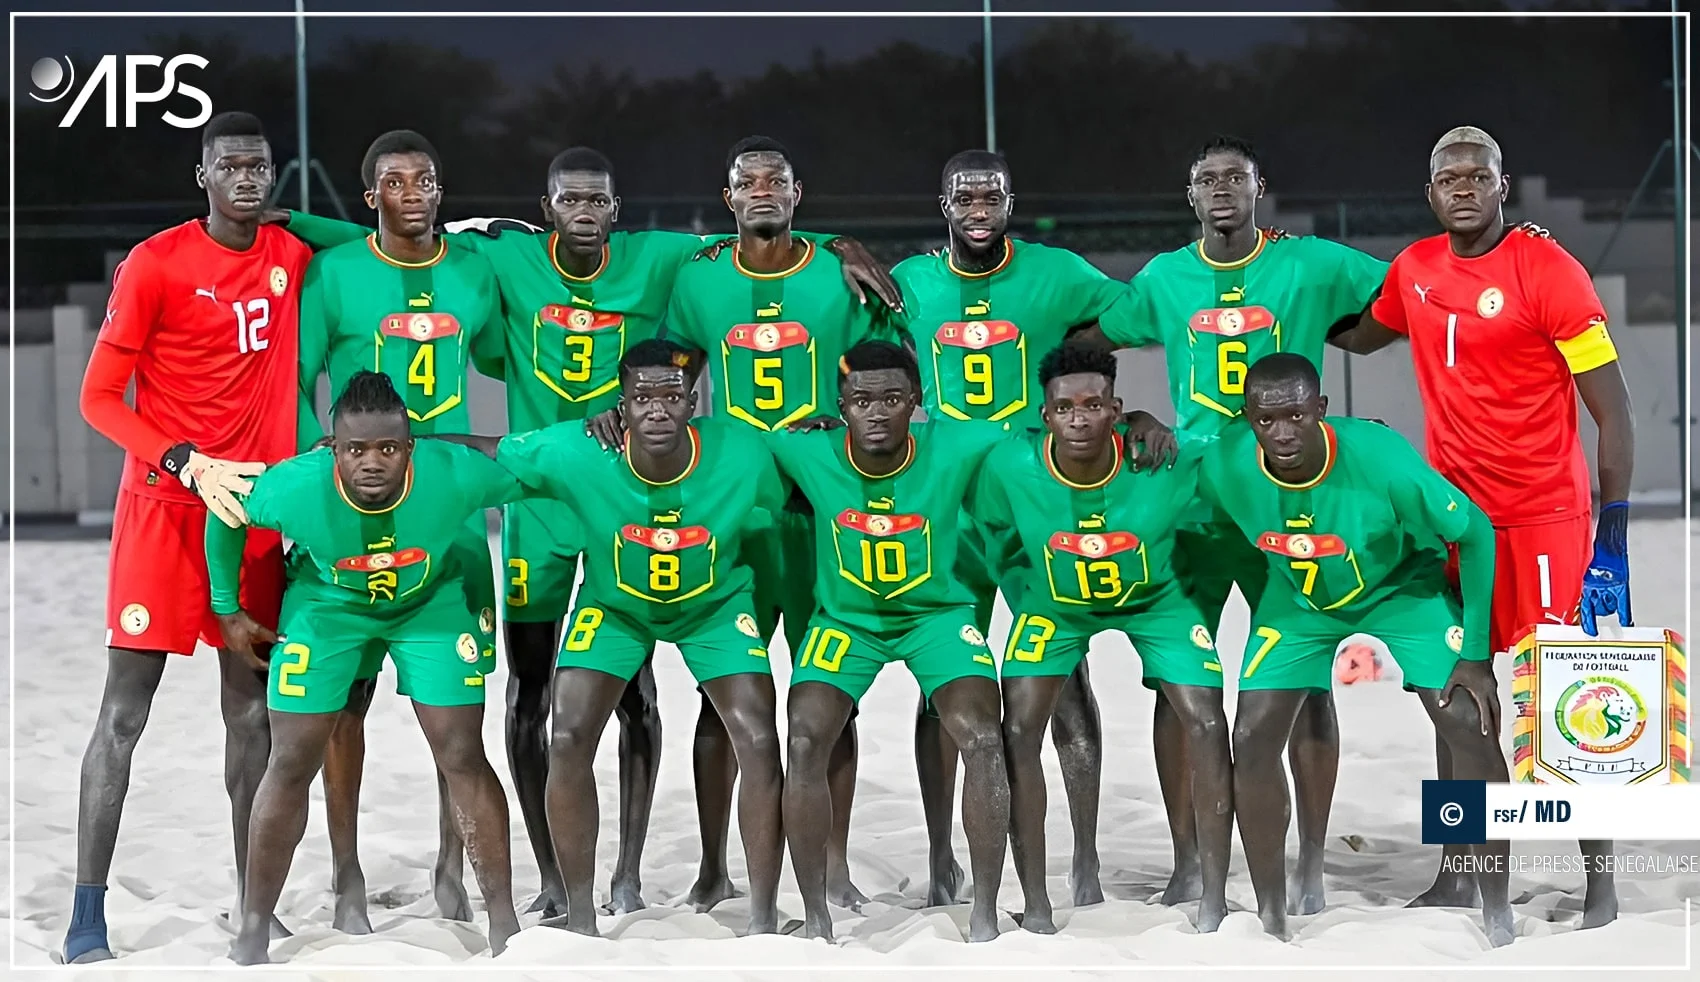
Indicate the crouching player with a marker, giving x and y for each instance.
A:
(1354, 525)
(378, 516)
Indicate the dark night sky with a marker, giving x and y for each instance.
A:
(658, 48)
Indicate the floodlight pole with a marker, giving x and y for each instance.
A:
(986, 57)
(301, 98)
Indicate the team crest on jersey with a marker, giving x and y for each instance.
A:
(134, 619)
(747, 625)
(486, 620)
(767, 337)
(1201, 636)
(1455, 639)
(577, 319)
(373, 562)
(1532, 230)
(1233, 321)
(1093, 545)
(975, 335)
(420, 327)
(666, 540)
(1302, 546)
(1491, 302)
(467, 649)
(972, 635)
(880, 525)
(279, 281)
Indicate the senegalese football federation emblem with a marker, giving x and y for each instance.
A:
(747, 625)
(134, 619)
(1093, 545)
(879, 525)
(1491, 302)
(767, 337)
(1302, 546)
(1455, 639)
(380, 560)
(665, 539)
(487, 620)
(467, 649)
(976, 334)
(1230, 321)
(419, 327)
(580, 319)
(972, 635)
(1201, 636)
(1601, 715)
(279, 281)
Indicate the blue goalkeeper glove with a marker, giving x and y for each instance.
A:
(1605, 587)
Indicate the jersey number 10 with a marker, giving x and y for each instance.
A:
(250, 321)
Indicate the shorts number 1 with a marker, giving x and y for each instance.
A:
(1545, 563)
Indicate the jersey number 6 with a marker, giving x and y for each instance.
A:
(1230, 374)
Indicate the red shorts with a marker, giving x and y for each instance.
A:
(157, 595)
(1538, 572)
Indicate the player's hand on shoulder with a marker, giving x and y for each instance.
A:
(217, 482)
(1276, 234)
(815, 424)
(1149, 444)
(861, 269)
(493, 227)
(608, 428)
(711, 250)
(1532, 230)
(274, 216)
(248, 638)
(323, 442)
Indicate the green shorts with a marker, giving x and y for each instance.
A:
(539, 560)
(1210, 559)
(716, 642)
(782, 560)
(938, 648)
(1167, 632)
(325, 644)
(1292, 647)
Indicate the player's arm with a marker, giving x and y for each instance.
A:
(224, 545)
(863, 273)
(317, 231)
(489, 342)
(486, 445)
(131, 314)
(1129, 320)
(1381, 323)
(314, 334)
(1571, 312)
(487, 481)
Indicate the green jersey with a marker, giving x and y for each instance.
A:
(1215, 320)
(885, 546)
(385, 560)
(1090, 549)
(773, 340)
(980, 336)
(1370, 526)
(658, 552)
(419, 323)
(565, 335)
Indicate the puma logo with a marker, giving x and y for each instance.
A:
(771, 310)
(1302, 522)
(1092, 521)
(882, 504)
(1422, 291)
(423, 300)
(666, 517)
(210, 293)
(979, 309)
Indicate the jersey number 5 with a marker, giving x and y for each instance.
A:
(767, 377)
(250, 321)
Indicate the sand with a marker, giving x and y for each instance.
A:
(172, 878)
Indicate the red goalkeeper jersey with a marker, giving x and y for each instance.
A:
(210, 337)
(1495, 340)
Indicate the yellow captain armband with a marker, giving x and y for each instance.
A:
(1588, 350)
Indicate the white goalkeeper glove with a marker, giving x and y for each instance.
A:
(493, 227)
(218, 482)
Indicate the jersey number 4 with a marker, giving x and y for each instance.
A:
(251, 319)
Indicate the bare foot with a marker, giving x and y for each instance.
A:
(624, 897)
(350, 913)
(250, 949)
(1210, 914)
(501, 929)
(549, 903)
(704, 896)
(451, 898)
(1038, 923)
(764, 922)
(946, 886)
(1499, 927)
(566, 922)
(1185, 885)
(1304, 891)
(817, 924)
(1087, 889)
(983, 922)
(1600, 907)
(1449, 890)
(840, 892)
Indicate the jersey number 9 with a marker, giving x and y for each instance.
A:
(977, 370)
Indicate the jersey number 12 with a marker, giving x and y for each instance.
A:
(250, 321)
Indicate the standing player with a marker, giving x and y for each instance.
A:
(663, 533)
(1216, 306)
(378, 519)
(575, 298)
(1500, 321)
(402, 300)
(203, 318)
(887, 498)
(771, 318)
(1098, 540)
(982, 311)
(1353, 524)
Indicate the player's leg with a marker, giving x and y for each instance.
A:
(1425, 636)
(539, 570)
(1289, 654)
(345, 755)
(948, 657)
(1313, 751)
(726, 655)
(714, 768)
(601, 654)
(306, 689)
(1178, 655)
(1038, 659)
(833, 670)
(640, 753)
(1078, 734)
